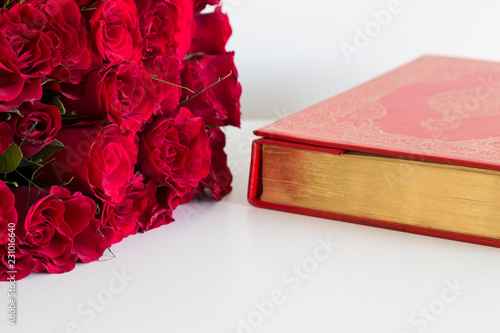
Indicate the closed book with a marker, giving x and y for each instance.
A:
(415, 150)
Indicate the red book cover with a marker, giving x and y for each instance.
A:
(434, 109)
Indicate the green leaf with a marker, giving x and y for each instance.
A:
(57, 102)
(10, 159)
(48, 151)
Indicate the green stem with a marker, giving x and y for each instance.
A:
(29, 132)
(109, 249)
(170, 83)
(210, 86)
(38, 187)
(31, 162)
(197, 54)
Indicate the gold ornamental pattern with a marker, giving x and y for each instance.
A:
(350, 118)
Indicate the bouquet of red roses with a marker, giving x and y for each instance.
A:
(110, 116)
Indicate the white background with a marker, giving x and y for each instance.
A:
(289, 56)
(207, 271)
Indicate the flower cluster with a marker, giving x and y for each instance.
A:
(110, 116)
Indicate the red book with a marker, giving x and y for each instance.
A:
(416, 149)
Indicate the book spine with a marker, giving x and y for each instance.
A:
(255, 177)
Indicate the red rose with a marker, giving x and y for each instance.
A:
(166, 70)
(219, 179)
(228, 91)
(134, 212)
(158, 21)
(38, 126)
(6, 137)
(220, 104)
(8, 213)
(185, 26)
(85, 102)
(169, 199)
(159, 218)
(59, 229)
(115, 31)
(127, 94)
(97, 159)
(124, 91)
(23, 264)
(9, 246)
(26, 56)
(175, 151)
(212, 33)
(35, 51)
(67, 29)
(205, 104)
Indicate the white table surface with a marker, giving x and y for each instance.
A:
(220, 266)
